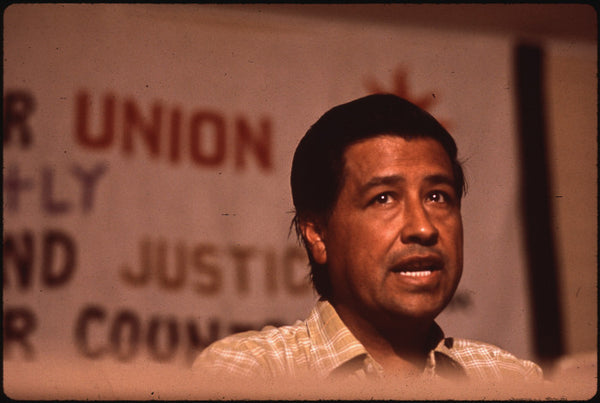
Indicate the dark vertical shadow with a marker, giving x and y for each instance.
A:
(536, 206)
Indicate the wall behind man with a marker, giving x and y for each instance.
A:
(572, 104)
(147, 153)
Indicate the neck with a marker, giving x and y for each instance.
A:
(400, 345)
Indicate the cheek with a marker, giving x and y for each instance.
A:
(455, 235)
(363, 240)
(343, 245)
(459, 235)
(350, 245)
(451, 226)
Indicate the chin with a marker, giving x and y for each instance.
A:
(419, 310)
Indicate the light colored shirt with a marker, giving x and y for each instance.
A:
(323, 347)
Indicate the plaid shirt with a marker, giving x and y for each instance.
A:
(324, 347)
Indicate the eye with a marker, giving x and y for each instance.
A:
(438, 197)
(382, 198)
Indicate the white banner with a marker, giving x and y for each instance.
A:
(147, 152)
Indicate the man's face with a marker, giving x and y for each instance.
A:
(393, 244)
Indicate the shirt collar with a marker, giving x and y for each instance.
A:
(332, 343)
(441, 362)
(334, 346)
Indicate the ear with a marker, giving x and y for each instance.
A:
(313, 234)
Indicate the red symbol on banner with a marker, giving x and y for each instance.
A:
(400, 88)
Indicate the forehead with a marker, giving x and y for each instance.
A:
(387, 154)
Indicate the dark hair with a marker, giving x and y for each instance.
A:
(318, 164)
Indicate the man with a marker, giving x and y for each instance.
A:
(377, 189)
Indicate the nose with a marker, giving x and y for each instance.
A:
(417, 225)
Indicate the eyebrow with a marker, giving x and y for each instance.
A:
(381, 180)
(437, 179)
(389, 180)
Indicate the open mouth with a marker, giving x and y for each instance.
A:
(423, 273)
(418, 266)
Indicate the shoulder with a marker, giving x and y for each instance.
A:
(485, 360)
(268, 352)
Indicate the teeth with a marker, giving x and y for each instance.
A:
(416, 273)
